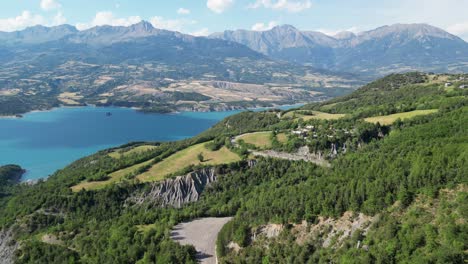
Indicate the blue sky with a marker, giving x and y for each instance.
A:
(206, 16)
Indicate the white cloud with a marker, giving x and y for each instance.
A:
(108, 18)
(288, 5)
(183, 11)
(29, 19)
(26, 19)
(219, 6)
(171, 24)
(201, 33)
(48, 5)
(263, 26)
(459, 29)
(59, 19)
(332, 33)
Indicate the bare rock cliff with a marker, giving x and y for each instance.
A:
(178, 191)
(8, 247)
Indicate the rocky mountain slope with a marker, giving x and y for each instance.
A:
(178, 191)
(399, 47)
(139, 66)
(8, 247)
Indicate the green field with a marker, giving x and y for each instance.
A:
(258, 139)
(185, 158)
(389, 119)
(119, 154)
(114, 177)
(316, 115)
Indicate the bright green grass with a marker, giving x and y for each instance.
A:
(316, 115)
(258, 139)
(117, 154)
(185, 158)
(389, 119)
(114, 177)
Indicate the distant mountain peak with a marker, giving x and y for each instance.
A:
(391, 48)
(415, 30)
(143, 26)
(284, 28)
(64, 27)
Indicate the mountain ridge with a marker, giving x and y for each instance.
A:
(149, 68)
(398, 47)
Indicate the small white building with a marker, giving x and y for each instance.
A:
(463, 86)
(448, 84)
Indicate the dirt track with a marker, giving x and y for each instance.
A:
(202, 234)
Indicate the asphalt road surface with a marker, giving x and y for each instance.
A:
(202, 234)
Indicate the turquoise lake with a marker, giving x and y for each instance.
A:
(43, 142)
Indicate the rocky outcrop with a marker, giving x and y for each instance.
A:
(178, 191)
(8, 246)
(332, 232)
(269, 231)
(302, 154)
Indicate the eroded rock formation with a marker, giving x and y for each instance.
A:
(178, 191)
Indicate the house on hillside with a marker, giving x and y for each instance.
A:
(448, 84)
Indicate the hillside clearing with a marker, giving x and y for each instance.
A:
(315, 115)
(389, 119)
(119, 154)
(282, 138)
(258, 139)
(187, 157)
(116, 176)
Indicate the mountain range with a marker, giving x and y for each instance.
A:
(161, 70)
(149, 68)
(384, 50)
(387, 49)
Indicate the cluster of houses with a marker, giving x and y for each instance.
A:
(460, 79)
(304, 132)
(311, 131)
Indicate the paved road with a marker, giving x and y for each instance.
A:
(202, 234)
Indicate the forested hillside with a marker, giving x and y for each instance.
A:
(391, 193)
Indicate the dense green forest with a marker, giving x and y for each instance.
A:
(10, 175)
(411, 176)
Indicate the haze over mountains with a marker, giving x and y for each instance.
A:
(161, 70)
(154, 69)
(399, 47)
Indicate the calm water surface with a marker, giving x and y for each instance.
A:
(43, 142)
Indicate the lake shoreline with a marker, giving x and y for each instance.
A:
(141, 110)
(45, 141)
